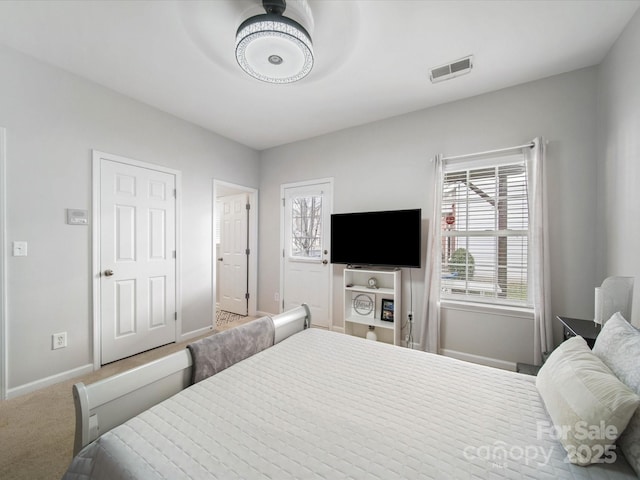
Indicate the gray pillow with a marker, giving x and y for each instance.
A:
(618, 346)
(581, 393)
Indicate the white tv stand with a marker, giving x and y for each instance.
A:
(356, 287)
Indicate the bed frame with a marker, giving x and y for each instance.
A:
(107, 403)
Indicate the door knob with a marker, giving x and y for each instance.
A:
(220, 259)
(108, 273)
(324, 262)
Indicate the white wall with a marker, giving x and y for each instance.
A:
(618, 248)
(53, 121)
(385, 165)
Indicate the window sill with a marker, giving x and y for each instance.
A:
(504, 310)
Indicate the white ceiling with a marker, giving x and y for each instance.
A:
(371, 56)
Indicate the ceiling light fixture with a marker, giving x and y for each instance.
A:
(274, 48)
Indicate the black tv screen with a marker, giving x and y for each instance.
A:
(387, 238)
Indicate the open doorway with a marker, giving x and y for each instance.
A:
(235, 266)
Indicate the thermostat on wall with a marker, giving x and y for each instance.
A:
(77, 217)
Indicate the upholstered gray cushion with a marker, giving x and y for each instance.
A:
(221, 350)
(618, 346)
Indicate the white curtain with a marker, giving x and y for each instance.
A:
(538, 256)
(539, 249)
(430, 335)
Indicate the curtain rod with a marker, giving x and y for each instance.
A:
(489, 152)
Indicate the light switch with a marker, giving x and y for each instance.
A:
(19, 249)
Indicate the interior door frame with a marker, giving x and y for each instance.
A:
(97, 157)
(252, 261)
(283, 187)
(4, 368)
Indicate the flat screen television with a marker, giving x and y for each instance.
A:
(389, 238)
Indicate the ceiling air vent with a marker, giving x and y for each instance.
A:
(451, 70)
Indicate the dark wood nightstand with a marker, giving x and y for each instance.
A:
(573, 327)
(527, 368)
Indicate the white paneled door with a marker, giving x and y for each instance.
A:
(137, 259)
(306, 234)
(233, 260)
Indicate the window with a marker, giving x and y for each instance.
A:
(306, 227)
(484, 226)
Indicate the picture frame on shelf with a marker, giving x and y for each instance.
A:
(387, 310)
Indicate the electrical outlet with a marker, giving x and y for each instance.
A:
(58, 340)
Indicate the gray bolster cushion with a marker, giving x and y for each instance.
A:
(213, 354)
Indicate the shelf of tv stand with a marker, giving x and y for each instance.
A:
(370, 321)
(373, 291)
(355, 282)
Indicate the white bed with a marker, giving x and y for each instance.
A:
(326, 405)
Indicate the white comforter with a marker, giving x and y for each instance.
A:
(331, 406)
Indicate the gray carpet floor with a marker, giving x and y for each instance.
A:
(37, 429)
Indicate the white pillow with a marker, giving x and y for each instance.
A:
(618, 346)
(588, 405)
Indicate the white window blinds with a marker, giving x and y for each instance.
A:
(484, 225)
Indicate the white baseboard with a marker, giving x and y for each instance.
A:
(337, 329)
(52, 380)
(196, 333)
(469, 357)
(260, 313)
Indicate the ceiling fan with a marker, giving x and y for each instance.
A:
(274, 48)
